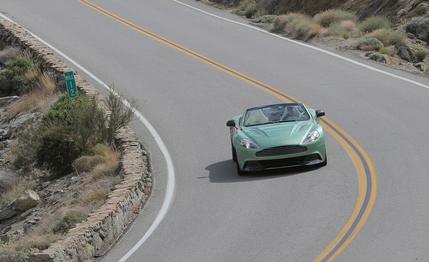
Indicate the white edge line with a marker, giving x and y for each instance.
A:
(306, 45)
(169, 194)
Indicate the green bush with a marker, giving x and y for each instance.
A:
(388, 37)
(331, 16)
(68, 222)
(368, 43)
(81, 118)
(57, 151)
(70, 129)
(420, 55)
(119, 116)
(373, 23)
(14, 78)
(419, 26)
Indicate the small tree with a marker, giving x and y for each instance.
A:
(119, 115)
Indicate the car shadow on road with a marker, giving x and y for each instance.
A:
(226, 172)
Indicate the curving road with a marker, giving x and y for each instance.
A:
(189, 72)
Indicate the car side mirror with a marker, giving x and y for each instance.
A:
(230, 123)
(320, 113)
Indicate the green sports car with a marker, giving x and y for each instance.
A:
(277, 136)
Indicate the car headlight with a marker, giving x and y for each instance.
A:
(248, 144)
(312, 136)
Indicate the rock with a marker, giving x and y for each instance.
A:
(27, 201)
(404, 52)
(7, 212)
(6, 180)
(21, 122)
(378, 57)
(4, 101)
(402, 12)
(4, 132)
(420, 66)
(8, 53)
(411, 36)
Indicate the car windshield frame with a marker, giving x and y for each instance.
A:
(306, 115)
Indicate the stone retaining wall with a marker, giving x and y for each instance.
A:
(93, 237)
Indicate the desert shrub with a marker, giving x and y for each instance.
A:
(69, 221)
(419, 26)
(336, 29)
(26, 150)
(119, 116)
(420, 55)
(331, 16)
(104, 161)
(368, 43)
(280, 21)
(81, 118)
(265, 19)
(388, 37)
(58, 149)
(387, 50)
(247, 8)
(16, 78)
(373, 23)
(297, 26)
(87, 163)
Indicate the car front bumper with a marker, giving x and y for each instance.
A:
(248, 161)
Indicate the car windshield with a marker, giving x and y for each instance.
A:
(275, 114)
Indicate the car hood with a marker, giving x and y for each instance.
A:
(279, 134)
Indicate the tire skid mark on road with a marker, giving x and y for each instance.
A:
(367, 186)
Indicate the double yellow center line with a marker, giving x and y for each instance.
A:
(364, 167)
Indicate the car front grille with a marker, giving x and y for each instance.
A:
(285, 162)
(281, 150)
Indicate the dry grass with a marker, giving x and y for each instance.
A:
(332, 16)
(16, 189)
(95, 197)
(20, 250)
(390, 50)
(297, 26)
(104, 162)
(281, 21)
(40, 98)
(388, 37)
(344, 29)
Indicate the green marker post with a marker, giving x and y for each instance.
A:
(71, 84)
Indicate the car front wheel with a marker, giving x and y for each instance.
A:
(324, 163)
(234, 154)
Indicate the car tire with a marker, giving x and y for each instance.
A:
(324, 163)
(234, 154)
(240, 172)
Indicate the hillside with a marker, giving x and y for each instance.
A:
(394, 9)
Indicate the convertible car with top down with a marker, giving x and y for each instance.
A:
(277, 136)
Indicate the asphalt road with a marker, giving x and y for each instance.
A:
(216, 215)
